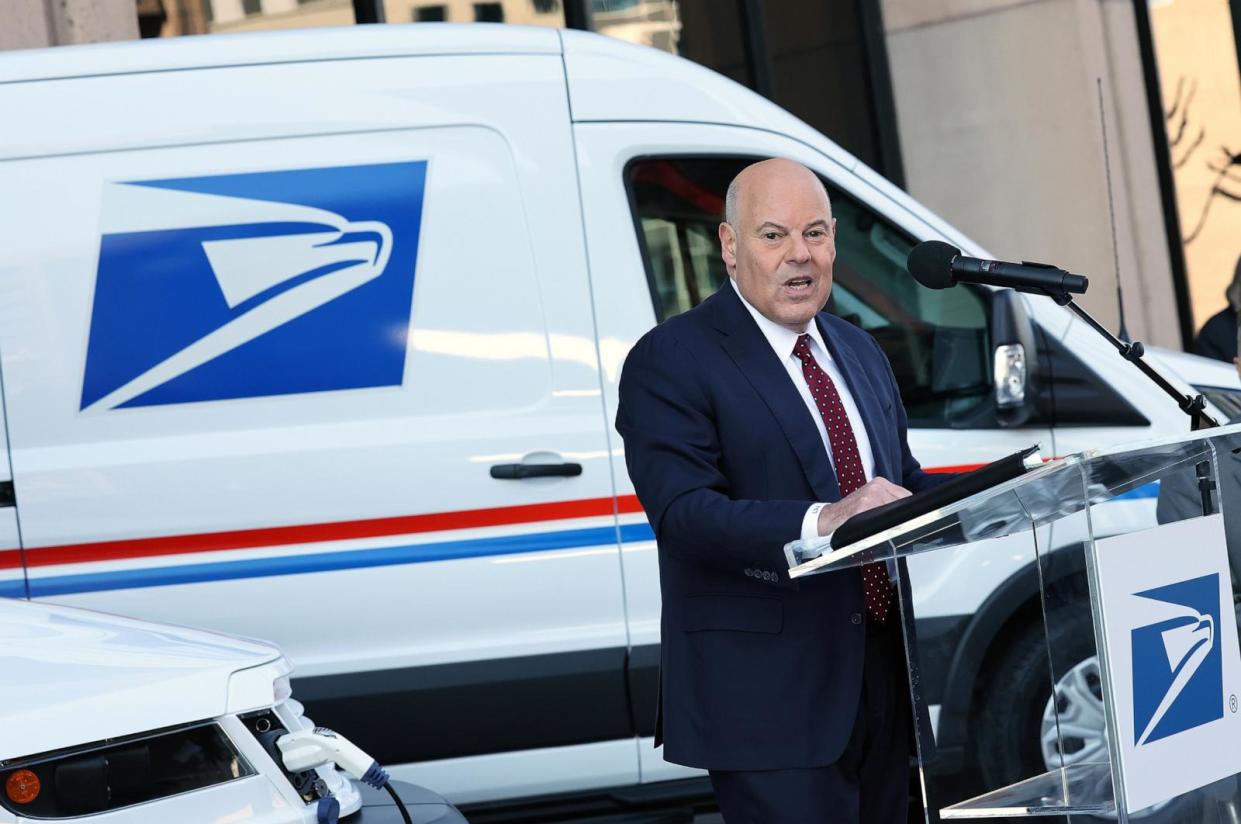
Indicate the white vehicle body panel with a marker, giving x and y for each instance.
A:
(74, 676)
(1194, 369)
(121, 474)
(253, 798)
(271, 48)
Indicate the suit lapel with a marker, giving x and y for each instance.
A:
(745, 344)
(864, 395)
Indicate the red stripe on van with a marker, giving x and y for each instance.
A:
(314, 533)
(961, 468)
(335, 531)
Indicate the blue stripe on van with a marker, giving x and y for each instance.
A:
(1150, 490)
(14, 588)
(332, 561)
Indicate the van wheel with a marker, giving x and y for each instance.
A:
(1016, 726)
(1008, 725)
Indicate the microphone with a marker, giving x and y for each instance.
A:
(938, 265)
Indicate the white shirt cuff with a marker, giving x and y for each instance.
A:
(810, 523)
(809, 533)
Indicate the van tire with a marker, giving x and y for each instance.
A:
(1013, 698)
(1006, 728)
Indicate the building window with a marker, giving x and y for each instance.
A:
(489, 12)
(1197, 61)
(823, 60)
(706, 31)
(549, 13)
(208, 16)
(819, 72)
(430, 14)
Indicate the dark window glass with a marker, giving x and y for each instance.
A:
(489, 12)
(101, 777)
(252, 6)
(430, 14)
(705, 31)
(820, 72)
(936, 340)
(546, 6)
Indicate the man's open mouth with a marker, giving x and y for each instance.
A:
(799, 283)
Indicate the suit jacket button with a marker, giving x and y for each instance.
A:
(855, 618)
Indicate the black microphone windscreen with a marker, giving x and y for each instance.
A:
(930, 262)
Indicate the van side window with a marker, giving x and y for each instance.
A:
(937, 341)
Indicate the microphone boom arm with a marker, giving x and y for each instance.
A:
(1194, 407)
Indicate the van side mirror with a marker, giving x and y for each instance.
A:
(1014, 357)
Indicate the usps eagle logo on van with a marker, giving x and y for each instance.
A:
(252, 285)
(1178, 676)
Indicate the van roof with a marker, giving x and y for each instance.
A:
(287, 46)
(608, 79)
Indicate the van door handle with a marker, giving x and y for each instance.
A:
(518, 471)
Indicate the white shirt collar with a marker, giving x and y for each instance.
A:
(781, 338)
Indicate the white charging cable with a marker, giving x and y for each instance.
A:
(307, 749)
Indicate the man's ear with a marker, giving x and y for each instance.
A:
(728, 246)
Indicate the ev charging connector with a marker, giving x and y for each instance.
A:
(307, 749)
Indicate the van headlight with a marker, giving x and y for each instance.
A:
(118, 773)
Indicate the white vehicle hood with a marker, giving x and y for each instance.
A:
(1195, 369)
(70, 676)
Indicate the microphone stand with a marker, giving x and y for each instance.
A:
(1194, 407)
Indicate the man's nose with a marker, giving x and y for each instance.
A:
(799, 250)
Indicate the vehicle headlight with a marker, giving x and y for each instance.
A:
(110, 775)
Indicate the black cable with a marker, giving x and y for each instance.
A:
(400, 805)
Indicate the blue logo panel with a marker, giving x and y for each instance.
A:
(307, 289)
(1178, 676)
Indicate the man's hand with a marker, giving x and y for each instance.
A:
(875, 493)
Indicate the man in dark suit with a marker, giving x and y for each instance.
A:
(749, 422)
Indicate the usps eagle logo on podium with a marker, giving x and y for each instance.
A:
(254, 284)
(1178, 680)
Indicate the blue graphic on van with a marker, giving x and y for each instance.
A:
(1178, 670)
(251, 285)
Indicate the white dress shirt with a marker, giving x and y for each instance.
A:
(782, 341)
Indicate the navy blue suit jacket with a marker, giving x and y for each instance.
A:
(758, 671)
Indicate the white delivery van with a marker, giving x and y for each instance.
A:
(316, 336)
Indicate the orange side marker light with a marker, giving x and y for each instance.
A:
(22, 787)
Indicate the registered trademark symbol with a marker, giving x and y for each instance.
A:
(1232, 702)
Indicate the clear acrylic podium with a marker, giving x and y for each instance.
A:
(1048, 521)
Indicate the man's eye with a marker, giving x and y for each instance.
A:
(771, 235)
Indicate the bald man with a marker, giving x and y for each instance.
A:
(750, 421)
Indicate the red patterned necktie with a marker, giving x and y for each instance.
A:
(848, 461)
